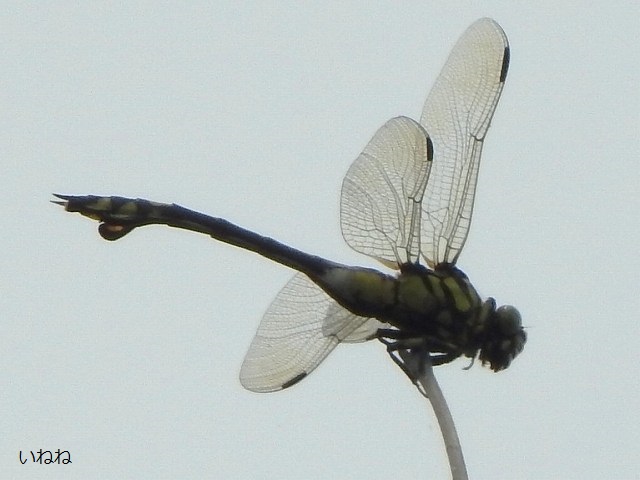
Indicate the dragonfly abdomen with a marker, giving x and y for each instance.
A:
(363, 291)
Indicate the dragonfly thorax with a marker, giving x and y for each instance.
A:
(440, 310)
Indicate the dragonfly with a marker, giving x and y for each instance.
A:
(406, 201)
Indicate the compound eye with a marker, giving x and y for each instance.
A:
(508, 319)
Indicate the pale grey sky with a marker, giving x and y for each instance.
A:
(127, 353)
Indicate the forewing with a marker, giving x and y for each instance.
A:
(382, 192)
(456, 115)
(300, 328)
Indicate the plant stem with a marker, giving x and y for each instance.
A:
(423, 375)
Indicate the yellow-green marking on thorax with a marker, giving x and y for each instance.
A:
(460, 297)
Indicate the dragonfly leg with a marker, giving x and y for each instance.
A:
(413, 354)
(442, 358)
(440, 351)
(396, 356)
(418, 356)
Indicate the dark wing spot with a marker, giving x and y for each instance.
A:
(294, 380)
(505, 64)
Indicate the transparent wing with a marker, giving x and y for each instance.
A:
(456, 115)
(382, 192)
(343, 327)
(300, 328)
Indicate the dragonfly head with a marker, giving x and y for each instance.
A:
(504, 338)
